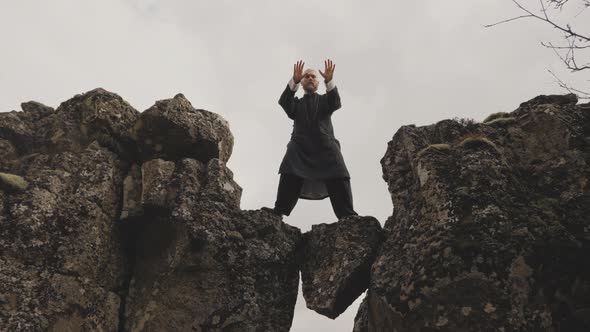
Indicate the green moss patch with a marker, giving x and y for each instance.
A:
(475, 142)
(496, 115)
(438, 147)
(546, 203)
(501, 121)
(12, 182)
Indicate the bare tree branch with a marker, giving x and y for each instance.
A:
(564, 47)
(508, 20)
(579, 93)
(575, 40)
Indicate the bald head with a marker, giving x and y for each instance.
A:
(310, 81)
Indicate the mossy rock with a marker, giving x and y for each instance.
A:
(476, 142)
(234, 235)
(547, 203)
(546, 108)
(496, 115)
(501, 121)
(12, 182)
(437, 147)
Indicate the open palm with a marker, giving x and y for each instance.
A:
(328, 70)
(298, 71)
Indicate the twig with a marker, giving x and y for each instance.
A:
(571, 36)
(579, 93)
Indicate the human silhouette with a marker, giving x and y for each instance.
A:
(313, 167)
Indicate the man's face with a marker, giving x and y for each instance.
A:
(310, 81)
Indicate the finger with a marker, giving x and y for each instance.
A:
(321, 73)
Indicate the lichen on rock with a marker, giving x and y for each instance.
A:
(486, 236)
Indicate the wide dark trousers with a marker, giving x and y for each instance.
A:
(339, 192)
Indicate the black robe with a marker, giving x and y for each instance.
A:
(313, 153)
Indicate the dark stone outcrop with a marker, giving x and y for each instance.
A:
(361, 320)
(96, 115)
(104, 227)
(201, 263)
(490, 230)
(116, 220)
(336, 263)
(173, 129)
(61, 261)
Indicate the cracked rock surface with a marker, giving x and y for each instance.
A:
(490, 230)
(337, 261)
(116, 220)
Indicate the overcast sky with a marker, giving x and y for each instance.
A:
(397, 63)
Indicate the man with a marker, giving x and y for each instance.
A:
(313, 166)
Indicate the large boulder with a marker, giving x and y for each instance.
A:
(337, 261)
(490, 229)
(172, 129)
(94, 115)
(78, 208)
(61, 260)
(203, 264)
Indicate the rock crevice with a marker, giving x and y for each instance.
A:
(112, 219)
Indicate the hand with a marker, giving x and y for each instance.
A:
(298, 71)
(328, 71)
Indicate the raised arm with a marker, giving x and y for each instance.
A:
(332, 96)
(287, 99)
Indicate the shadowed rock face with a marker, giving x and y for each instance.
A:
(61, 259)
(96, 115)
(336, 263)
(115, 220)
(173, 129)
(203, 264)
(490, 230)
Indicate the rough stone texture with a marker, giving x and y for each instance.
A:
(487, 234)
(173, 129)
(131, 221)
(95, 115)
(361, 320)
(132, 194)
(7, 150)
(156, 176)
(99, 233)
(61, 262)
(337, 261)
(203, 264)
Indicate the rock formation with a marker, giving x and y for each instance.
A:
(491, 228)
(336, 263)
(113, 219)
(116, 220)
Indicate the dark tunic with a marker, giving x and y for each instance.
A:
(313, 153)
